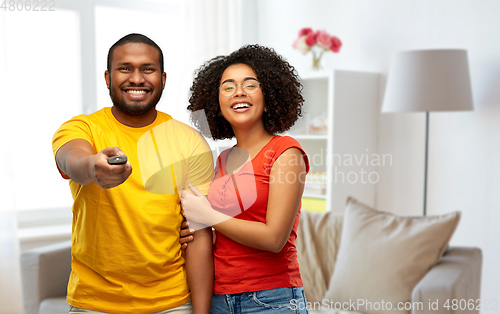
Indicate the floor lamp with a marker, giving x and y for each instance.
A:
(425, 81)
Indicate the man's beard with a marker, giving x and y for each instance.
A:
(134, 109)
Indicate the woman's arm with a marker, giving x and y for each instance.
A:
(285, 192)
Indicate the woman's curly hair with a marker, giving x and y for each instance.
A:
(279, 82)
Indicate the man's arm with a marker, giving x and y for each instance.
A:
(200, 270)
(77, 160)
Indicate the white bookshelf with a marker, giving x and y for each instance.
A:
(348, 101)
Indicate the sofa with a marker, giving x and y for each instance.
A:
(369, 255)
(45, 274)
(455, 276)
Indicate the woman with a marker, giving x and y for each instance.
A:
(252, 94)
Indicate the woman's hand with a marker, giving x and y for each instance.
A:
(197, 209)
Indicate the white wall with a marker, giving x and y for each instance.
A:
(464, 160)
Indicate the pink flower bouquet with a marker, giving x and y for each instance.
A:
(308, 40)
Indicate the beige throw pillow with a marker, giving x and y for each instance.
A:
(382, 257)
(318, 241)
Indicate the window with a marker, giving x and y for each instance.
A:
(43, 79)
(55, 64)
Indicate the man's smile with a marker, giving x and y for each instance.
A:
(136, 93)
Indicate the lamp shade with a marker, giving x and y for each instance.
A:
(428, 80)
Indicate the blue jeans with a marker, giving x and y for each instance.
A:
(277, 301)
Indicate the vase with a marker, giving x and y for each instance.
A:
(316, 61)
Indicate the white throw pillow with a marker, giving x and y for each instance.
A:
(382, 257)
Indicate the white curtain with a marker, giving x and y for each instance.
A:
(10, 283)
(213, 28)
(208, 28)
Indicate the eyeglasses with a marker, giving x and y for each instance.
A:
(228, 89)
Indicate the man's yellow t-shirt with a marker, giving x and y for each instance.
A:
(126, 255)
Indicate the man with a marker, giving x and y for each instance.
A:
(126, 255)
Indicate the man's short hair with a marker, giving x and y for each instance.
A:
(134, 39)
